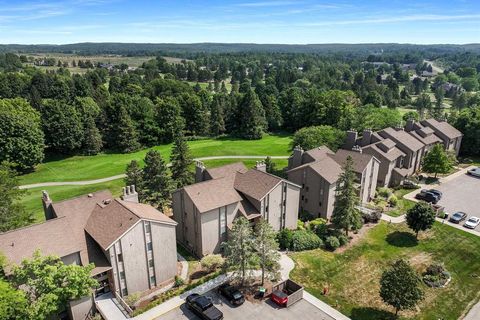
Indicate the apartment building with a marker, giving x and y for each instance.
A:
(132, 245)
(206, 209)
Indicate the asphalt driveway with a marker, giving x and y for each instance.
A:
(265, 310)
(461, 194)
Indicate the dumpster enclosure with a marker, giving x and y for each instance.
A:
(293, 290)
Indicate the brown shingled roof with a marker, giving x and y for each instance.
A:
(226, 170)
(360, 160)
(402, 137)
(255, 183)
(319, 153)
(327, 168)
(444, 127)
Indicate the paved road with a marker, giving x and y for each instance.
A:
(120, 176)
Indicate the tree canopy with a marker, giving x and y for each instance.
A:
(316, 136)
(420, 218)
(437, 161)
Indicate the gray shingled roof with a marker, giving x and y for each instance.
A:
(444, 127)
(255, 183)
(402, 137)
(327, 168)
(226, 170)
(360, 160)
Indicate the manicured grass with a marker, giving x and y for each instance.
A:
(354, 274)
(109, 164)
(33, 203)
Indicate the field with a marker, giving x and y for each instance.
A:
(354, 275)
(110, 164)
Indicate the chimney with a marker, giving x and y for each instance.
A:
(129, 194)
(296, 158)
(199, 170)
(261, 166)
(352, 136)
(399, 127)
(357, 148)
(366, 137)
(47, 206)
(409, 125)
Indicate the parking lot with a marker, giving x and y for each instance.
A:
(265, 310)
(461, 194)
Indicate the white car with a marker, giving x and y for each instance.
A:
(474, 172)
(472, 222)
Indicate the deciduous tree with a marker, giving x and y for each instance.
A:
(313, 137)
(437, 161)
(420, 218)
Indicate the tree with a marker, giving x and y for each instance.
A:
(134, 176)
(437, 161)
(169, 119)
(468, 122)
(252, 123)
(345, 214)
(156, 181)
(92, 139)
(423, 103)
(313, 137)
(13, 302)
(50, 283)
(12, 214)
(239, 250)
(373, 118)
(181, 161)
(399, 286)
(270, 165)
(126, 137)
(217, 114)
(420, 218)
(267, 248)
(21, 136)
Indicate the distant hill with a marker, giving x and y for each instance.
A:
(89, 48)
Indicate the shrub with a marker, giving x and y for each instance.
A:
(384, 192)
(343, 240)
(321, 230)
(300, 225)
(393, 200)
(371, 217)
(211, 262)
(305, 240)
(284, 239)
(305, 216)
(332, 243)
(314, 224)
(179, 281)
(132, 298)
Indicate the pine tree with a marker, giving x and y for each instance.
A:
(270, 165)
(181, 161)
(156, 181)
(239, 250)
(252, 123)
(126, 135)
(217, 118)
(345, 214)
(267, 249)
(92, 139)
(134, 176)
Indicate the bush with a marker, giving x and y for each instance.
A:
(305, 216)
(371, 217)
(332, 243)
(132, 298)
(343, 240)
(179, 281)
(314, 224)
(284, 239)
(384, 192)
(300, 225)
(305, 240)
(211, 262)
(393, 200)
(321, 230)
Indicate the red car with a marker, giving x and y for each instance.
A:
(280, 298)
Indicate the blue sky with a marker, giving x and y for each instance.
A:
(251, 21)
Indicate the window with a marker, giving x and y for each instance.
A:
(124, 292)
(152, 280)
(320, 204)
(120, 257)
(307, 188)
(321, 191)
(148, 228)
(149, 246)
(303, 197)
(223, 221)
(150, 263)
(122, 275)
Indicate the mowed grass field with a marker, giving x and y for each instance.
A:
(354, 274)
(78, 168)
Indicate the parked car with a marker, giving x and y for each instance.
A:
(472, 222)
(458, 217)
(203, 307)
(436, 192)
(427, 196)
(233, 295)
(409, 184)
(474, 172)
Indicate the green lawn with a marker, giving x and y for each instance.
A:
(110, 164)
(33, 203)
(403, 205)
(354, 274)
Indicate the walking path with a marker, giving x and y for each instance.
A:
(120, 176)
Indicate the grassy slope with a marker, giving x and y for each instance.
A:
(110, 164)
(32, 198)
(354, 275)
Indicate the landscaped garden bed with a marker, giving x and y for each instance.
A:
(391, 201)
(353, 275)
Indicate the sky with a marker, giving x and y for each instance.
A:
(240, 21)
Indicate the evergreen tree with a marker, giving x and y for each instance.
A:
(423, 104)
(169, 119)
(92, 139)
(239, 250)
(345, 214)
(437, 161)
(267, 249)
(400, 286)
(217, 109)
(420, 218)
(181, 161)
(134, 176)
(270, 165)
(156, 181)
(126, 136)
(252, 123)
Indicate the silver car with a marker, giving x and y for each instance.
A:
(472, 223)
(474, 172)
